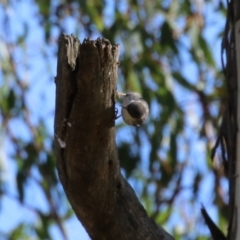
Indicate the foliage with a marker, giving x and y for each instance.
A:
(168, 56)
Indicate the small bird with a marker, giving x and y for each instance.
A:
(134, 109)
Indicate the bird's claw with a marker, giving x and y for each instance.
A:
(116, 114)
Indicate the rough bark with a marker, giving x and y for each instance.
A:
(87, 158)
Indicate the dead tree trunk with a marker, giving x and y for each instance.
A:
(87, 158)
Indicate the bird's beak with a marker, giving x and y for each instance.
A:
(119, 94)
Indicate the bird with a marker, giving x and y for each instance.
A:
(134, 109)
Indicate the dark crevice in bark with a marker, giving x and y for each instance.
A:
(87, 158)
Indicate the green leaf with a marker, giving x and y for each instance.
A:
(166, 40)
(207, 53)
(183, 81)
(21, 180)
(163, 216)
(11, 99)
(20, 233)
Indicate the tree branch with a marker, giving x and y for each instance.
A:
(87, 158)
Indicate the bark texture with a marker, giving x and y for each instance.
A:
(87, 158)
